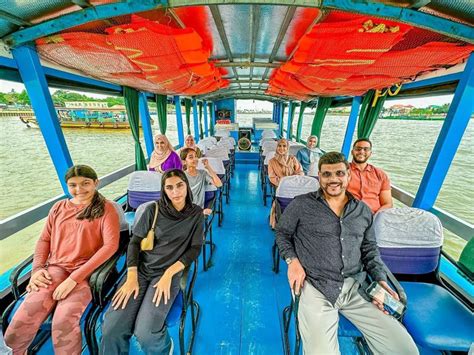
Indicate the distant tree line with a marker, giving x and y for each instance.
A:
(59, 98)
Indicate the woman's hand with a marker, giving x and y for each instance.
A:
(163, 287)
(40, 278)
(64, 289)
(122, 296)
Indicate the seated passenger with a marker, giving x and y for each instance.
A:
(327, 239)
(80, 234)
(190, 143)
(283, 164)
(309, 156)
(144, 298)
(198, 179)
(163, 157)
(368, 183)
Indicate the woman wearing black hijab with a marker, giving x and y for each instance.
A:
(153, 276)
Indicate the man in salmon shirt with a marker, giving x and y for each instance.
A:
(368, 183)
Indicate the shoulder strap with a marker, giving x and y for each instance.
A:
(155, 217)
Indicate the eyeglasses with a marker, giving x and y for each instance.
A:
(365, 149)
(339, 173)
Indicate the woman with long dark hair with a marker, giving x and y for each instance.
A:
(144, 298)
(80, 234)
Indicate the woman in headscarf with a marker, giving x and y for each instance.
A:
(145, 296)
(283, 164)
(189, 142)
(164, 157)
(309, 156)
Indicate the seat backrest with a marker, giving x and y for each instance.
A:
(268, 156)
(291, 186)
(122, 221)
(217, 153)
(224, 145)
(269, 146)
(229, 140)
(216, 164)
(222, 133)
(268, 133)
(295, 148)
(140, 210)
(263, 140)
(143, 186)
(409, 239)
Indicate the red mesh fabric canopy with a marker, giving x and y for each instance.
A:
(142, 54)
(349, 54)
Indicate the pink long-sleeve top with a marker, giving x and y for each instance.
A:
(78, 246)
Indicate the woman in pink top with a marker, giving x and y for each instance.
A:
(80, 234)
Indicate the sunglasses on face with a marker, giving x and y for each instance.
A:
(339, 173)
(365, 149)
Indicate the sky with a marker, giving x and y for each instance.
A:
(7, 86)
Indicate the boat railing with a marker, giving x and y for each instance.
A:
(23, 219)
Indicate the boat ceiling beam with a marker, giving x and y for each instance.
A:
(255, 24)
(229, 92)
(240, 81)
(290, 12)
(14, 19)
(409, 16)
(247, 64)
(220, 28)
(81, 17)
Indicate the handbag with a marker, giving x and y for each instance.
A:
(147, 243)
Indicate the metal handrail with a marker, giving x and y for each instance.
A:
(21, 220)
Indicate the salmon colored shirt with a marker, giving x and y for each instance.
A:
(366, 185)
(78, 246)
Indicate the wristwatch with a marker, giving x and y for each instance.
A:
(289, 260)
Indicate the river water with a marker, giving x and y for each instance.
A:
(27, 175)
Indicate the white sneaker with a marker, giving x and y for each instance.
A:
(171, 347)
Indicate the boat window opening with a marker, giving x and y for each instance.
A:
(453, 244)
(333, 130)
(27, 174)
(459, 179)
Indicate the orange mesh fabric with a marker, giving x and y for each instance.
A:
(142, 54)
(349, 54)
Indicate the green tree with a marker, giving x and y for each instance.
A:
(23, 98)
(3, 98)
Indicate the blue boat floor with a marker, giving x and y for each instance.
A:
(240, 297)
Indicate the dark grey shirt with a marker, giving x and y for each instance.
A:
(330, 248)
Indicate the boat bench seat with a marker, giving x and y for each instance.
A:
(436, 319)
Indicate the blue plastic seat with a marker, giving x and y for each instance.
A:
(410, 241)
(436, 319)
(143, 186)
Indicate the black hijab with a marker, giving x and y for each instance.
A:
(166, 207)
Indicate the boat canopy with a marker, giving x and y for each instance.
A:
(297, 50)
